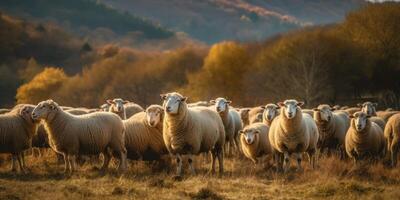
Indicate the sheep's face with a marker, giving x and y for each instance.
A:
(44, 110)
(244, 113)
(117, 105)
(323, 113)
(26, 114)
(250, 135)
(105, 107)
(270, 111)
(172, 102)
(154, 116)
(221, 104)
(289, 108)
(360, 120)
(369, 108)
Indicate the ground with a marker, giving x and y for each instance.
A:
(333, 179)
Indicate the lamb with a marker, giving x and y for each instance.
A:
(4, 110)
(192, 131)
(123, 108)
(332, 128)
(293, 132)
(16, 131)
(144, 134)
(392, 136)
(89, 134)
(254, 141)
(271, 111)
(231, 120)
(364, 138)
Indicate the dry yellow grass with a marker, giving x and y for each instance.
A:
(333, 179)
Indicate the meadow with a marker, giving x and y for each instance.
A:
(333, 179)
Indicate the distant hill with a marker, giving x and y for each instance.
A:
(85, 14)
(215, 20)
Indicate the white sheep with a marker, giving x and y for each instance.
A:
(364, 139)
(370, 109)
(385, 115)
(352, 110)
(271, 111)
(123, 108)
(16, 131)
(89, 134)
(144, 134)
(199, 103)
(192, 131)
(231, 120)
(255, 142)
(392, 136)
(332, 128)
(293, 132)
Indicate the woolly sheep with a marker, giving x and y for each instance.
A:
(144, 134)
(16, 131)
(364, 138)
(244, 115)
(332, 128)
(254, 141)
(256, 115)
(231, 120)
(89, 134)
(385, 115)
(192, 131)
(370, 109)
(271, 111)
(123, 108)
(293, 132)
(308, 111)
(392, 136)
(352, 110)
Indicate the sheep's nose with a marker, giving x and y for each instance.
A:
(248, 140)
(151, 123)
(358, 126)
(290, 114)
(168, 109)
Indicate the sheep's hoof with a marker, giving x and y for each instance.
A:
(178, 178)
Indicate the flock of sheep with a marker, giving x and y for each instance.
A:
(125, 131)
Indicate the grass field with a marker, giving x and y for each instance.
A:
(333, 179)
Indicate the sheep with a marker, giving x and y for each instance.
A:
(332, 128)
(336, 107)
(308, 111)
(385, 115)
(16, 131)
(254, 141)
(352, 110)
(368, 107)
(200, 103)
(192, 131)
(123, 108)
(89, 134)
(144, 134)
(364, 138)
(392, 136)
(244, 115)
(105, 107)
(271, 111)
(4, 110)
(293, 132)
(231, 120)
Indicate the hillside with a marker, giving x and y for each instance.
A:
(240, 19)
(81, 15)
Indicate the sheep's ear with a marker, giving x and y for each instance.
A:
(351, 116)
(301, 103)
(163, 96)
(183, 99)
(228, 102)
(315, 109)
(241, 132)
(280, 104)
(360, 105)
(263, 107)
(212, 101)
(126, 101)
(22, 111)
(375, 104)
(109, 101)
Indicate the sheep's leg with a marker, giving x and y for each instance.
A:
(66, 164)
(220, 155)
(21, 160)
(311, 157)
(106, 162)
(214, 157)
(13, 164)
(122, 164)
(72, 163)
(179, 165)
(286, 161)
(190, 161)
(393, 151)
(298, 159)
(236, 140)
